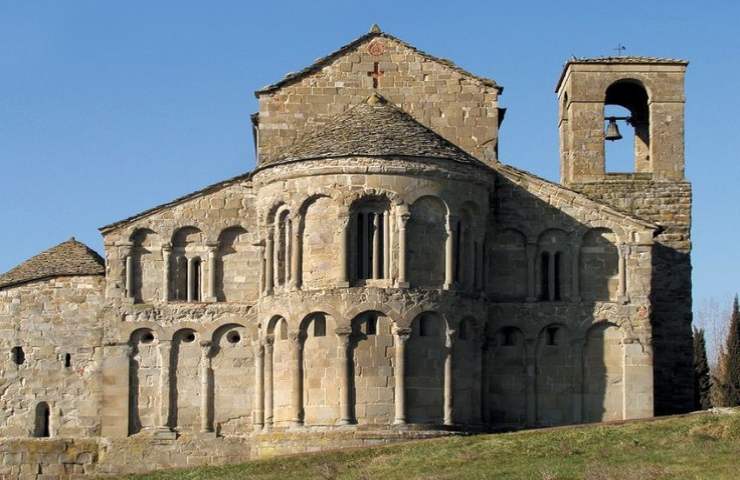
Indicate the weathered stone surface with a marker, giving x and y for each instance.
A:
(379, 277)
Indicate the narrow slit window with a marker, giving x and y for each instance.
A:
(19, 357)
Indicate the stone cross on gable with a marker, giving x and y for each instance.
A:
(376, 74)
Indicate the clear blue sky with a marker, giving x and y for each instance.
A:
(109, 108)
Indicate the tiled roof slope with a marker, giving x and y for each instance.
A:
(70, 258)
(371, 129)
(374, 32)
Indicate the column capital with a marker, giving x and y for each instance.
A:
(343, 331)
(212, 246)
(258, 347)
(450, 337)
(296, 338)
(205, 347)
(166, 247)
(403, 334)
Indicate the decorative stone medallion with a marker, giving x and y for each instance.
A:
(376, 48)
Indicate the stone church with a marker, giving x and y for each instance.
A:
(381, 274)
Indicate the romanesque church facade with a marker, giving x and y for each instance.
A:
(380, 269)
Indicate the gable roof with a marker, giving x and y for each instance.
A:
(203, 191)
(373, 33)
(373, 128)
(545, 187)
(70, 258)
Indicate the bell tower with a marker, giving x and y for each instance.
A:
(651, 94)
(651, 89)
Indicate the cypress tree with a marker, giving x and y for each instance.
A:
(702, 382)
(729, 368)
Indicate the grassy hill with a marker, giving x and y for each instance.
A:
(700, 446)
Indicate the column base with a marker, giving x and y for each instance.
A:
(343, 284)
(344, 421)
(210, 300)
(402, 284)
(129, 300)
(623, 299)
(531, 299)
(399, 421)
(164, 433)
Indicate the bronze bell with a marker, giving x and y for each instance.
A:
(612, 130)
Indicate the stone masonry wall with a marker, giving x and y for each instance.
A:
(459, 107)
(48, 320)
(669, 205)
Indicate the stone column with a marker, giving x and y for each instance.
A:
(386, 245)
(191, 280)
(575, 270)
(296, 399)
(288, 251)
(450, 253)
(484, 385)
(205, 386)
(344, 226)
(401, 335)
(345, 411)
(364, 265)
(531, 271)
(296, 253)
(403, 216)
(269, 263)
(165, 348)
(259, 385)
(166, 253)
(261, 255)
(624, 252)
(576, 350)
(377, 259)
(212, 251)
(478, 283)
(268, 381)
(129, 261)
(448, 380)
(531, 380)
(551, 276)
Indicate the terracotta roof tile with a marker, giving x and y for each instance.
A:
(373, 128)
(70, 258)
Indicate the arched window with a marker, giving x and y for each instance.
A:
(545, 276)
(319, 326)
(552, 336)
(187, 245)
(509, 336)
(553, 284)
(41, 422)
(626, 111)
(371, 233)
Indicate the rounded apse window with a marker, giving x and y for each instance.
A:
(233, 337)
(148, 337)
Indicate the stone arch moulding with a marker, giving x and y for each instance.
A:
(383, 308)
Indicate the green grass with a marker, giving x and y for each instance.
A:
(703, 446)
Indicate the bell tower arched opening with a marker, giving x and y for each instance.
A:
(627, 127)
